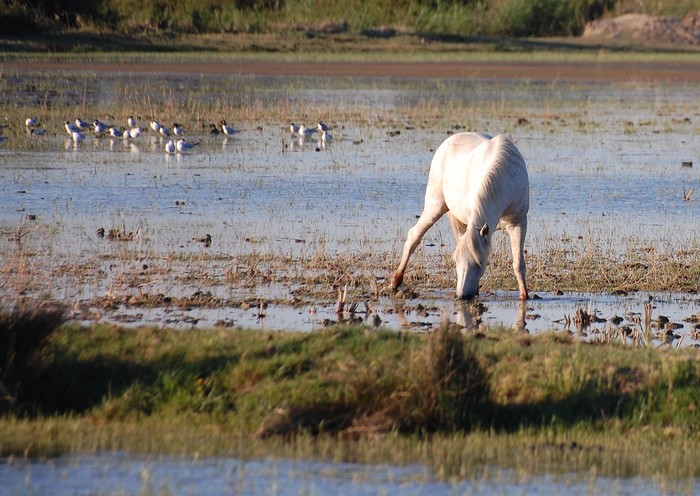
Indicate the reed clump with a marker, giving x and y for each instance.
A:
(23, 331)
(440, 387)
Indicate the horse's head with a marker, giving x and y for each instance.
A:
(471, 257)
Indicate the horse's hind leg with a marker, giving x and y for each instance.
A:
(516, 233)
(430, 215)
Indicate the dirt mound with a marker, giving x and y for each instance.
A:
(642, 27)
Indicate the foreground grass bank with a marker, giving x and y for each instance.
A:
(452, 401)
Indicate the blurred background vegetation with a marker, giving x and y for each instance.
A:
(434, 17)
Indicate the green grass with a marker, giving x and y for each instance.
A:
(454, 402)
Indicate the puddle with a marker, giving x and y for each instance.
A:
(120, 473)
(675, 318)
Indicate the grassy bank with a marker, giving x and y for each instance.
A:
(454, 402)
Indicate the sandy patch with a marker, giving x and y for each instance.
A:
(646, 28)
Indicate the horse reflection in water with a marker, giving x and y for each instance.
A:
(468, 316)
(481, 182)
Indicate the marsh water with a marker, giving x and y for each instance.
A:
(121, 473)
(609, 167)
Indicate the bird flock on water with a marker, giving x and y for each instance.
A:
(304, 132)
(173, 139)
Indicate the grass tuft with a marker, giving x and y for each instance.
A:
(23, 332)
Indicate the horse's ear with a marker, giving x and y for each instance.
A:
(484, 230)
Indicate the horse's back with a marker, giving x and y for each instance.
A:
(461, 143)
(475, 167)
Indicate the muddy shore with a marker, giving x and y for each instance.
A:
(613, 71)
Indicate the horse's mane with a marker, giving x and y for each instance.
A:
(501, 154)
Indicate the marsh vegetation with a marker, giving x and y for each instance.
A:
(450, 401)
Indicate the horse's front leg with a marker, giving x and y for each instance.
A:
(516, 233)
(430, 215)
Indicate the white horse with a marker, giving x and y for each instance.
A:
(480, 182)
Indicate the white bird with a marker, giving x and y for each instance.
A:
(164, 131)
(177, 129)
(170, 147)
(81, 124)
(155, 125)
(115, 133)
(31, 121)
(134, 132)
(293, 128)
(228, 130)
(130, 121)
(100, 127)
(322, 126)
(183, 146)
(77, 136)
(326, 136)
(305, 131)
(71, 128)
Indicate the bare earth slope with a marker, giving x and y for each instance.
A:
(645, 28)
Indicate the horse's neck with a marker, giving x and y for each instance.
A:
(484, 212)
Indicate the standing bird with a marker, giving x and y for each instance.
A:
(177, 129)
(81, 124)
(155, 125)
(100, 127)
(31, 121)
(305, 131)
(170, 147)
(228, 130)
(183, 146)
(293, 128)
(164, 131)
(133, 133)
(77, 136)
(130, 121)
(71, 128)
(115, 133)
(322, 126)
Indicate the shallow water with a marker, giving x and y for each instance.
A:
(120, 473)
(604, 163)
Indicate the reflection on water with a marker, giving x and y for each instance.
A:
(118, 473)
(604, 161)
